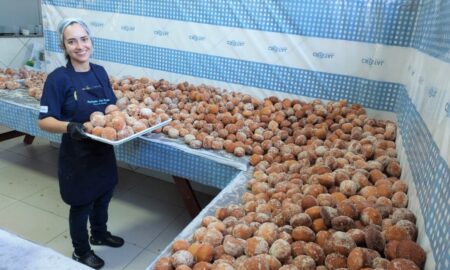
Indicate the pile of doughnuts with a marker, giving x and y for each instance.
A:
(8, 79)
(326, 191)
(33, 81)
(122, 120)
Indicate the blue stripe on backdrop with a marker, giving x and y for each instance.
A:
(278, 78)
(432, 33)
(379, 21)
(431, 176)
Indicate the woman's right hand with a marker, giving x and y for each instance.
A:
(76, 131)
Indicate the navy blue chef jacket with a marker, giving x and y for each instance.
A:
(86, 168)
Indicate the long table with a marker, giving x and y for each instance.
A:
(19, 254)
(19, 112)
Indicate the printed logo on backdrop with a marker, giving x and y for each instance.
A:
(46, 23)
(447, 109)
(432, 91)
(127, 28)
(323, 55)
(277, 49)
(235, 43)
(161, 33)
(196, 37)
(421, 79)
(97, 24)
(372, 61)
(411, 71)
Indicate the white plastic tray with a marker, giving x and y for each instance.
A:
(150, 129)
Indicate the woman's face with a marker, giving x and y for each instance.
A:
(77, 44)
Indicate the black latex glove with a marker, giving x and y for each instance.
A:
(76, 131)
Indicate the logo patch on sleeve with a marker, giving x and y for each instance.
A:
(43, 109)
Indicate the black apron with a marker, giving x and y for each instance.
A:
(86, 168)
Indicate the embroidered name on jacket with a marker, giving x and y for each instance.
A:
(87, 87)
(102, 101)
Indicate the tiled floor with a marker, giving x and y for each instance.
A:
(146, 211)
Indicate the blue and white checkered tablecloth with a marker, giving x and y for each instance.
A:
(20, 112)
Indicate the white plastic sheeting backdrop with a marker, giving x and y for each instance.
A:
(390, 56)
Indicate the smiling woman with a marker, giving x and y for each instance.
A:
(76, 43)
(78, 47)
(69, 97)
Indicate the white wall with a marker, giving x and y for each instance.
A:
(15, 52)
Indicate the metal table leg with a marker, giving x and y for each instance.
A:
(14, 134)
(28, 139)
(189, 198)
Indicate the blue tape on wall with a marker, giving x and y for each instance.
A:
(431, 177)
(278, 78)
(432, 33)
(384, 22)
